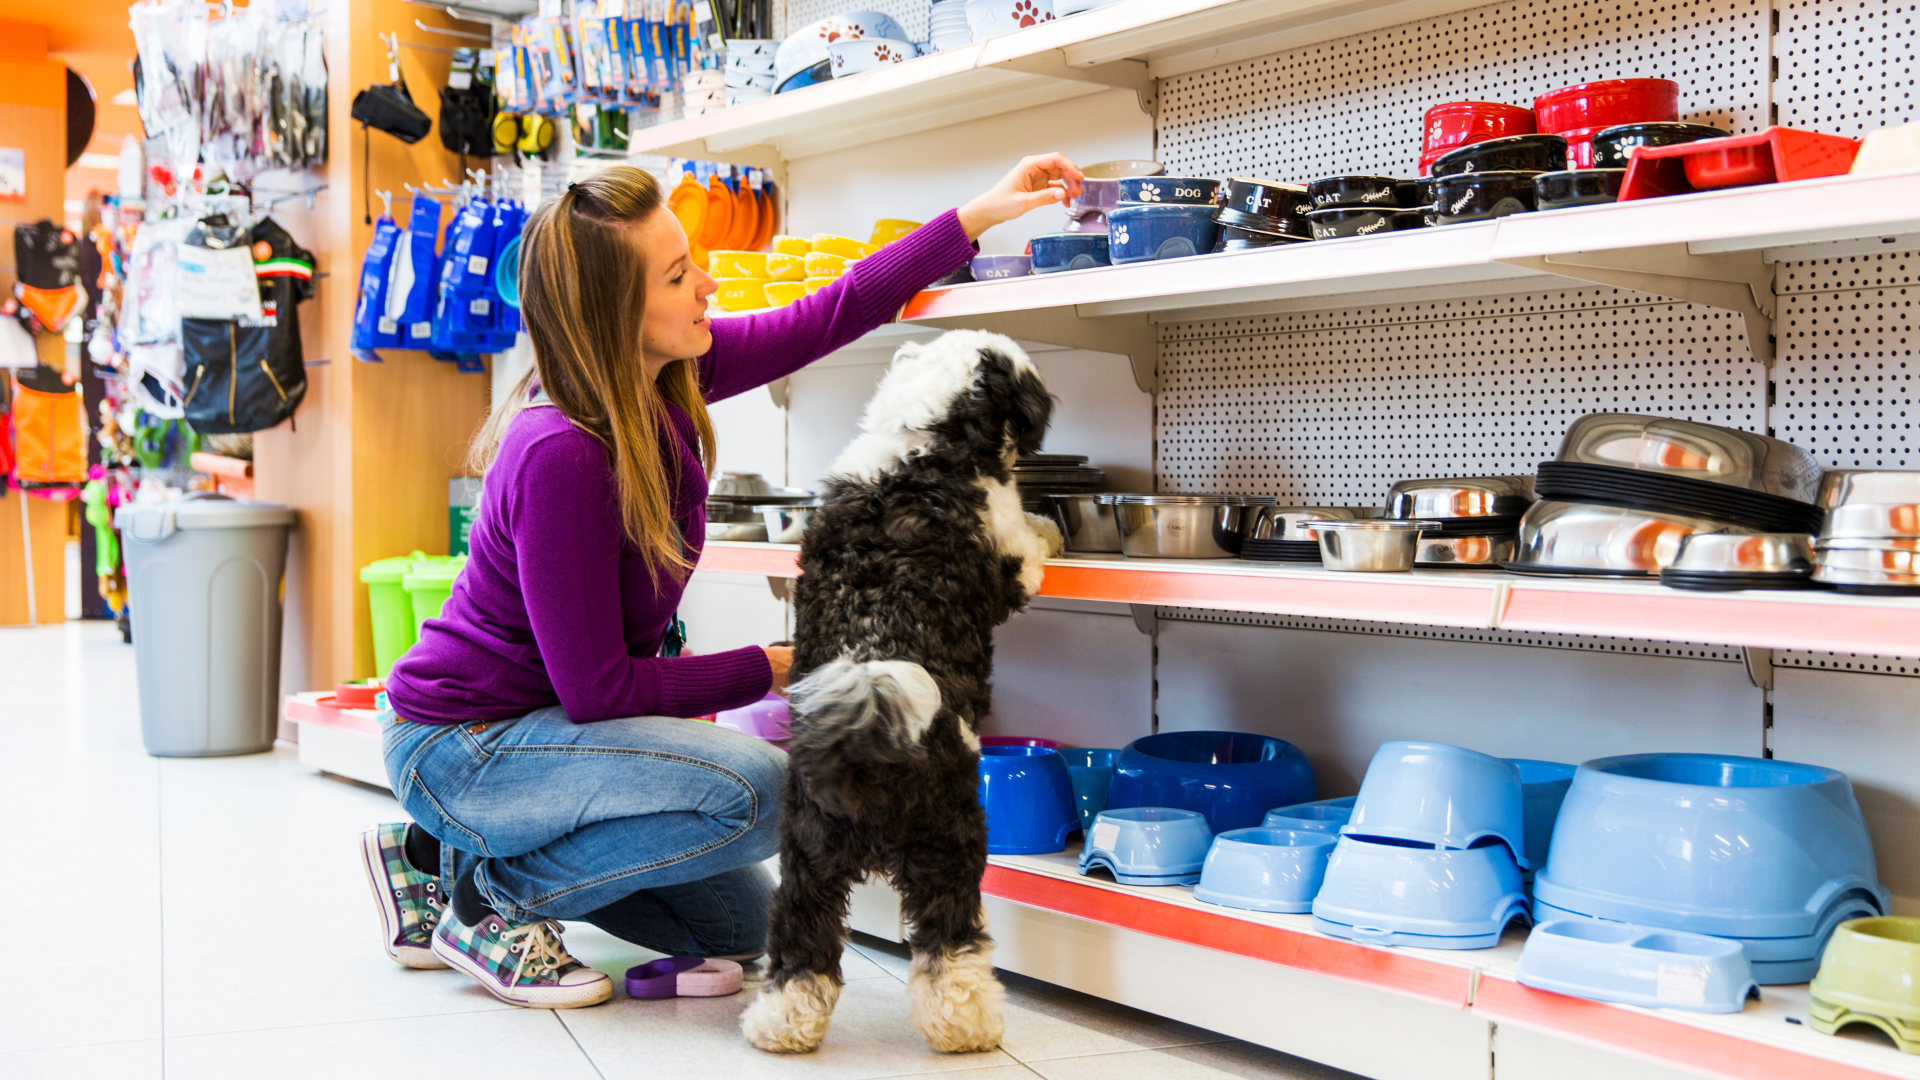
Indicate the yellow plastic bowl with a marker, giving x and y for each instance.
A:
(887, 230)
(792, 245)
(815, 284)
(784, 267)
(842, 246)
(782, 293)
(737, 264)
(741, 294)
(821, 264)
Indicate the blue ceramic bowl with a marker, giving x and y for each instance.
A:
(1325, 816)
(1137, 233)
(1148, 845)
(1230, 776)
(1771, 853)
(1263, 869)
(1637, 965)
(1444, 796)
(1403, 893)
(1029, 801)
(1543, 784)
(1170, 190)
(1092, 773)
(995, 267)
(1054, 252)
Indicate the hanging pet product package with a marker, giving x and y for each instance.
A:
(248, 374)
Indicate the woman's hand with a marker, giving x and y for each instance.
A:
(779, 658)
(1036, 181)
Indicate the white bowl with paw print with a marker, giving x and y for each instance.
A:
(866, 54)
(991, 18)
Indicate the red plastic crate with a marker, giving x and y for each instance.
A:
(1780, 154)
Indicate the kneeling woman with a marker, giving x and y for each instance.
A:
(530, 735)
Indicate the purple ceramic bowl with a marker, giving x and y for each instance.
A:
(1095, 195)
(996, 267)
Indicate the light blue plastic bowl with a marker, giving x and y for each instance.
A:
(1326, 816)
(1148, 845)
(1028, 797)
(1091, 770)
(1230, 776)
(1771, 853)
(1543, 785)
(1402, 893)
(1637, 965)
(1262, 869)
(1442, 795)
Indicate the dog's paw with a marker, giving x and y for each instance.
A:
(792, 1017)
(956, 1001)
(1049, 531)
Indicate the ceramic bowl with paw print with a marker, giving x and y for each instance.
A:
(866, 54)
(991, 18)
(1172, 190)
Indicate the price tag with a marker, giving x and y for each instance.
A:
(1104, 834)
(389, 326)
(459, 80)
(422, 329)
(1681, 985)
(487, 58)
(479, 307)
(476, 264)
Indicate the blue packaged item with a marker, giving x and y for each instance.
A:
(1400, 892)
(1773, 854)
(1055, 252)
(1092, 773)
(1637, 965)
(472, 242)
(372, 329)
(1148, 845)
(1440, 795)
(1543, 785)
(1326, 816)
(1138, 233)
(1262, 869)
(1028, 799)
(415, 285)
(1230, 776)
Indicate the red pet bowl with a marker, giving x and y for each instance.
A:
(357, 695)
(1606, 103)
(1457, 123)
(1776, 155)
(1580, 146)
(1734, 166)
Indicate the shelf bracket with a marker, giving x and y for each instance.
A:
(1146, 618)
(1738, 281)
(1759, 665)
(1131, 336)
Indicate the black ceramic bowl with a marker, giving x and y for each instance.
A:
(1287, 226)
(1362, 191)
(1234, 238)
(1476, 196)
(1265, 198)
(1362, 221)
(1515, 153)
(1611, 146)
(1577, 187)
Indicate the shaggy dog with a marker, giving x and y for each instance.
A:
(921, 549)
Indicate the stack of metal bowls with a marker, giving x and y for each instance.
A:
(1721, 562)
(1625, 490)
(1182, 526)
(1871, 542)
(1285, 533)
(1040, 475)
(1478, 517)
(735, 505)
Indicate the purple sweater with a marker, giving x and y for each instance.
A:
(555, 607)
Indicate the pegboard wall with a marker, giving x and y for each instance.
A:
(912, 15)
(1847, 333)
(1677, 650)
(1846, 67)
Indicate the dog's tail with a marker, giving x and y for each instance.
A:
(873, 711)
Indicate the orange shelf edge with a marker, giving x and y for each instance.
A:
(1812, 626)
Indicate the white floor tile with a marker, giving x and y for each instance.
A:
(72, 1004)
(892, 957)
(1205, 1061)
(1046, 1021)
(120, 1061)
(518, 1041)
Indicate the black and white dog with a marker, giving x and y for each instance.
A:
(921, 549)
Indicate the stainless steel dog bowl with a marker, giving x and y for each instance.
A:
(722, 510)
(736, 530)
(1872, 521)
(1479, 552)
(1085, 522)
(1735, 553)
(1182, 526)
(784, 524)
(1700, 451)
(751, 489)
(1583, 539)
(1844, 486)
(1461, 497)
(1292, 522)
(1382, 545)
(742, 483)
(1878, 560)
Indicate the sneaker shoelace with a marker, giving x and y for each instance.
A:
(538, 944)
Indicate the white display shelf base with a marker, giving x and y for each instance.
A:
(1814, 620)
(345, 742)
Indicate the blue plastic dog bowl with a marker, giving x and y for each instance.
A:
(1389, 892)
(1262, 869)
(1137, 233)
(1771, 853)
(1148, 845)
(1637, 965)
(506, 272)
(1326, 816)
(1091, 771)
(1230, 776)
(1440, 795)
(1054, 252)
(1543, 784)
(1029, 801)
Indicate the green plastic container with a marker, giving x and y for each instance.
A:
(429, 584)
(1870, 974)
(394, 631)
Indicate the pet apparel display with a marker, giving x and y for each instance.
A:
(244, 374)
(50, 430)
(467, 107)
(47, 258)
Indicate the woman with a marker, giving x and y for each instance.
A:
(530, 735)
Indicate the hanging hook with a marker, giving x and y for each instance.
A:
(386, 202)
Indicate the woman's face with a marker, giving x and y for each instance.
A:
(675, 324)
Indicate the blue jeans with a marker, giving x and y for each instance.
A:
(650, 827)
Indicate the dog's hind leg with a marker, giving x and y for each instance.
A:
(955, 997)
(804, 943)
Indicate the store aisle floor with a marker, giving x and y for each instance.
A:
(205, 918)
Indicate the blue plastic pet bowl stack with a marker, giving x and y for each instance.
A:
(1326, 816)
(1262, 869)
(1231, 777)
(1430, 856)
(1543, 786)
(1770, 853)
(1148, 845)
(1029, 800)
(1091, 770)
(1637, 965)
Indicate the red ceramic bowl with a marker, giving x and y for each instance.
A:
(1606, 103)
(1580, 147)
(1457, 123)
(1733, 167)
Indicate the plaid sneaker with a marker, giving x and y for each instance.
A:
(409, 901)
(521, 965)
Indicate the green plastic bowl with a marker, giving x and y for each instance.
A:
(1870, 974)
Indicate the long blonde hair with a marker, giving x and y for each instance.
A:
(582, 296)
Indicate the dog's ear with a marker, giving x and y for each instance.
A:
(1019, 399)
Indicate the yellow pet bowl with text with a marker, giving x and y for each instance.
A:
(842, 246)
(792, 245)
(887, 230)
(815, 284)
(821, 264)
(737, 264)
(784, 267)
(782, 293)
(741, 294)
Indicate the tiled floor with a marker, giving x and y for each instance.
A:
(207, 919)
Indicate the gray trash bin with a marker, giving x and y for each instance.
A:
(203, 577)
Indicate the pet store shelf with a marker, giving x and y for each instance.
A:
(1759, 1042)
(345, 742)
(1126, 45)
(1816, 621)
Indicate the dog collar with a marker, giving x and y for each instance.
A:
(683, 976)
